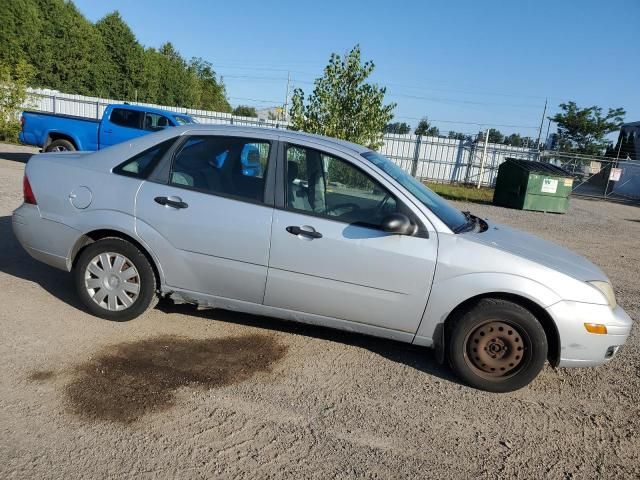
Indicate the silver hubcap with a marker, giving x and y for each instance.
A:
(58, 148)
(112, 281)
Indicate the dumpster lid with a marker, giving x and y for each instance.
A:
(538, 167)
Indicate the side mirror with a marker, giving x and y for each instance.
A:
(399, 224)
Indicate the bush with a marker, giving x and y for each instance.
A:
(13, 94)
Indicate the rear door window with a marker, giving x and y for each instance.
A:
(126, 118)
(227, 166)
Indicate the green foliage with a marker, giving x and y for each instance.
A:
(13, 93)
(71, 54)
(245, 111)
(426, 129)
(495, 136)
(458, 136)
(400, 128)
(583, 130)
(125, 56)
(343, 104)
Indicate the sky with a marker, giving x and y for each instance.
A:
(466, 65)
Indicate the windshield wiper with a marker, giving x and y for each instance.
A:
(468, 225)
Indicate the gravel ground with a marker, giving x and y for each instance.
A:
(183, 393)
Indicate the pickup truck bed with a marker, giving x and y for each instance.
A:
(44, 124)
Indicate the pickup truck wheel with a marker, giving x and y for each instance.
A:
(115, 280)
(61, 145)
(497, 345)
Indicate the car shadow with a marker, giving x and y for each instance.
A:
(16, 262)
(16, 156)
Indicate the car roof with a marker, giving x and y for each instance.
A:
(144, 108)
(285, 135)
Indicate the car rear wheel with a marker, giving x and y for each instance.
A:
(61, 145)
(114, 279)
(497, 345)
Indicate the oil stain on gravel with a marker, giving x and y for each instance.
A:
(125, 381)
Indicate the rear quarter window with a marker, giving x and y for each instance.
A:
(142, 164)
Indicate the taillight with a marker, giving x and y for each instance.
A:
(29, 197)
(22, 121)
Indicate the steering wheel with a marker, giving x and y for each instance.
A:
(349, 206)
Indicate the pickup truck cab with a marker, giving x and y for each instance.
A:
(57, 132)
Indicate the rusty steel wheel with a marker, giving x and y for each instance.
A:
(496, 345)
(495, 349)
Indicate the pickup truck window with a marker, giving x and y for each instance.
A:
(127, 118)
(155, 122)
(182, 120)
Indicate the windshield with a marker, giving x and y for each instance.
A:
(451, 216)
(183, 120)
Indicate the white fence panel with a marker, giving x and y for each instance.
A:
(428, 158)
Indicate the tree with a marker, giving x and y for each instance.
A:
(399, 128)
(245, 111)
(125, 54)
(71, 54)
(425, 128)
(583, 130)
(495, 136)
(458, 136)
(212, 94)
(343, 104)
(13, 93)
(515, 140)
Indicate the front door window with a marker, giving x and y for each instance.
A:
(324, 185)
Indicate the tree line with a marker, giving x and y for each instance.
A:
(49, 43)
(69, 53)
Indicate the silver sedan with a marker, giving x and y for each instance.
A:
(315, 230)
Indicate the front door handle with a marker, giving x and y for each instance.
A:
(175, 202)
(305, 230)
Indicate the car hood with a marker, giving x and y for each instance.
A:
(537, 250)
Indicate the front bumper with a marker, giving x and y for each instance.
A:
(579, 348)
(45, 240)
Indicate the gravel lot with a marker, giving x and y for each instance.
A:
(182, 393)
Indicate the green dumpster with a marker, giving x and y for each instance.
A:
(527, 185)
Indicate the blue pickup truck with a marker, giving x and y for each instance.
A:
(55, 132)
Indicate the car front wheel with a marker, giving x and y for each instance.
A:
(497, 345)
(114, 279)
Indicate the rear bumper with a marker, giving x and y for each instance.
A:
(45, 240)
(579, 348)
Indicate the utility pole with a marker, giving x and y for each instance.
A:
(286, 98)
(542, 122)
(484, 157)
(548, 127)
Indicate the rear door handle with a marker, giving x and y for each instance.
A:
(175, 202)
(305, 230)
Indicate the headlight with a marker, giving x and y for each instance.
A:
(605, 289)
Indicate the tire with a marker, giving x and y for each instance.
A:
(61, 145)
(127, 288)
(497, 346)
